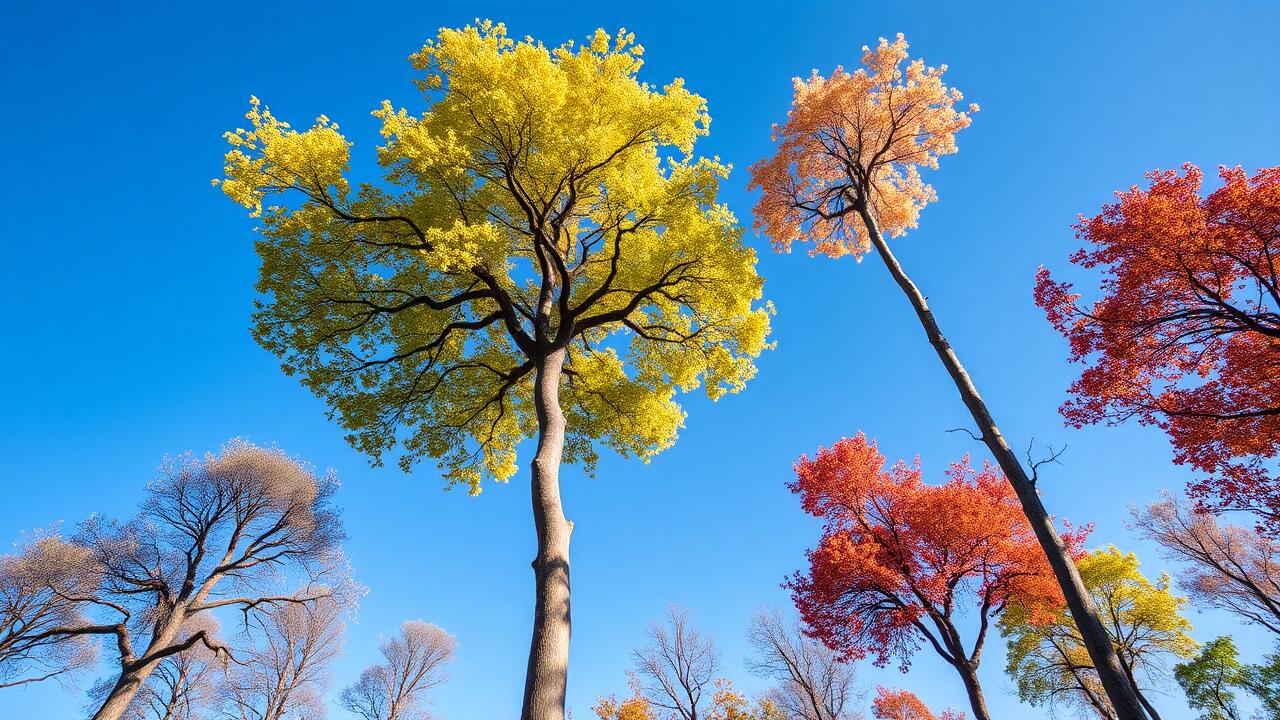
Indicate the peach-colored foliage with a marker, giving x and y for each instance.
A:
(853, 140)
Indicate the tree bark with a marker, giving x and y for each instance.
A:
(547, 673)
(1119, 690)
(978, 703)
(134, 673)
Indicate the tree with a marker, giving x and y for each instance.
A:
(545, 258)
(412, 663)
(285, 673)
(1226, 566)
(1144, 620)
(904, 705)
(813, 684)
(676, 669)
(1185, 334)
(846, 173)
(899, 561)
(219, 532)
(40, 587)
(1209, 677)
(633, 708)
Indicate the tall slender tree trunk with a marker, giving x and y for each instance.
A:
(1123, 695)
(978, 703)
(548, 670)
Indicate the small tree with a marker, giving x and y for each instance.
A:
(900, 561)
(676, 669)
(1144, 620)
(1208, 680)
(1225, 566)
(42, 588)
(284, 674)
(546, 258)
(904, 705)
(412, 663)
(218, 532)
(812, 682)
(845, 177)
(1185, 334)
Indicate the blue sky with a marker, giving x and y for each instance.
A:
(129, 287)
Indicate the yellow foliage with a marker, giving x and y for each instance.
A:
(545, 200)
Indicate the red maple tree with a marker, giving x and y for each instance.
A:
(1186, 335)
(899, 561)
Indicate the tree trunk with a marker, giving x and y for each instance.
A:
(969, 674)
(134, 673)
(1121, 692)
(548, 671)
(122, 693)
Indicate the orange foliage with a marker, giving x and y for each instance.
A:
(904, 705)
(898, 558)
(1187, 333)
(635, 708)
(855, 140)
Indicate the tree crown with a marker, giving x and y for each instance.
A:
(899, 558)
(546, 201)
(857, 141)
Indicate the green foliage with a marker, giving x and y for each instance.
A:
(1208, 679)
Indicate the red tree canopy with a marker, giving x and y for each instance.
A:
(899, 559)
(1186, 334)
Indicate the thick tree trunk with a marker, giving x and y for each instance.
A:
(1121, 692)
(547, 674)
(135, 673)
(969, 674)
(122, 693)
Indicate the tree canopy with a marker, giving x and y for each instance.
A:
(546, 200)
(1185, 334)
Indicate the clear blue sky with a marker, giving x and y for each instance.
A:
(128, 288)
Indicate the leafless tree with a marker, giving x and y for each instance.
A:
(1226, 566)
(675, 670)
(813, 684)
(285, 675)
(39, 587)
(225, 531)
(412, 663)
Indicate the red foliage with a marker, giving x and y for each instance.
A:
(904, 705)
(898, 559)
(1187, 333)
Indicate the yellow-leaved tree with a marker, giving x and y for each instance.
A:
(544, 257)
(1048, 660)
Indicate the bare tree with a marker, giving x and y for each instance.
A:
(219, 532)
(1227, 566)
(38, 589)
(676, 669)
(285, 675)
(813, 684)
(412, 663)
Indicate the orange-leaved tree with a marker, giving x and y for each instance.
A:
(845, 177)
(904, 705)
(900, 562)
(1186, 335)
